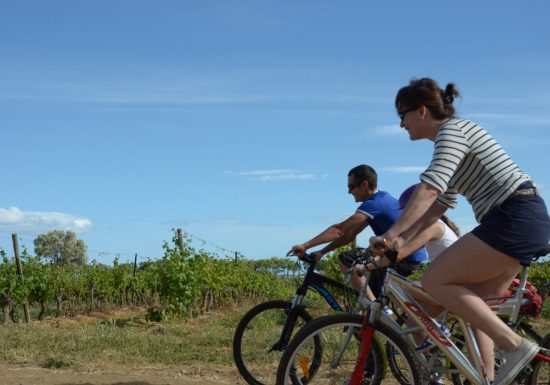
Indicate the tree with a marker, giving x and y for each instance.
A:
(62, 247)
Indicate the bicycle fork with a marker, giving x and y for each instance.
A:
(366, 333)
(288, 327)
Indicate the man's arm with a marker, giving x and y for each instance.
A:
(338, 235)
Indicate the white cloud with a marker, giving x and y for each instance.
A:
(404, 169)
(288, 177)
(265, 172)
(14, 220)
(391, 130)
(279, 175)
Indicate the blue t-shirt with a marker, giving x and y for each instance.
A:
(382, 211)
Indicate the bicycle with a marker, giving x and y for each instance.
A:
(259, 360)
(341, 362)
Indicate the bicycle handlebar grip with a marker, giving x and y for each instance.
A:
(380, 244)
(309, 258)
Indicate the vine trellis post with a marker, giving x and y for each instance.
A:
(180, 238)
(20, 274)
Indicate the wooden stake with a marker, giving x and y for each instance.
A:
(180, 238)
(20, 273)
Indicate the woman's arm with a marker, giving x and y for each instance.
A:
(421, 201)
(432, 233)
(430, 217)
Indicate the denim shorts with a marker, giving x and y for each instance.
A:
(519, 227)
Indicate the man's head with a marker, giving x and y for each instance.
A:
(362, 182)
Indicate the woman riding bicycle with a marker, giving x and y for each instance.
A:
(514, 222)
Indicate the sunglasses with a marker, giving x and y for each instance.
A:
(352, 187)
(401, 114)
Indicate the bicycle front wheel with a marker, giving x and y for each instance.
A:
(336, 337)
(257, 344)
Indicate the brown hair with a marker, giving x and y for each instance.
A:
(365, 172)
(451, 225)
(427, 92)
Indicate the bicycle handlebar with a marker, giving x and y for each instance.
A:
(309, 258)
(381, 244)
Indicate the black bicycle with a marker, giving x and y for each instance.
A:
(266, 329)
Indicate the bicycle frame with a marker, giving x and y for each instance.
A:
(403, 292)
(316, 282)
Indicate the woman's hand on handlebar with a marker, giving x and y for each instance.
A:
(379, 245)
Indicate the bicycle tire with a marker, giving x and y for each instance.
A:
(524, 329)
(541, 369)
(331, 331)
(257, 363)
(446, 367)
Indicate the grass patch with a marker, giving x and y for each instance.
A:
(115, 342)
(54, 363)
(109, 341)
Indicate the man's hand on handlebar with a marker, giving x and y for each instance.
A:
(297, 250)
(300, 252)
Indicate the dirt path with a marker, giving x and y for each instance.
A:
(11, 375)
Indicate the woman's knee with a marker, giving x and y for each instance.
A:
(429, 281)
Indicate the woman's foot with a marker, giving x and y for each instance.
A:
(514, 362)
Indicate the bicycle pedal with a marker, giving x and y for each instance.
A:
(522, 376)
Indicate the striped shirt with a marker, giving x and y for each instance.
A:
(468, 161)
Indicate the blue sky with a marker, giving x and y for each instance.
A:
(239, 120)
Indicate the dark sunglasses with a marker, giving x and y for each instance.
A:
(352, 187)
(401, 114)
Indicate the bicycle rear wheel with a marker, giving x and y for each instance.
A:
(524, 329)
(256, 349)
(336, 337)
(541, 369)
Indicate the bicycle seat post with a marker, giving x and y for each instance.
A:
(518, 295)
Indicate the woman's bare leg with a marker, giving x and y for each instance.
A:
(489, 289)
(467, 265)
(357, 282)
(487, 351)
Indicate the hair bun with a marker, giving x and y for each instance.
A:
(448, 98)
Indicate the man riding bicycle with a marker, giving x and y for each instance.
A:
(378, 209)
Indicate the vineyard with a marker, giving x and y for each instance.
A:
(184, 283)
